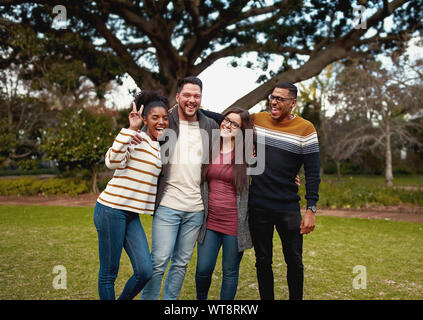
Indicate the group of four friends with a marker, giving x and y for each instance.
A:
(171, 169)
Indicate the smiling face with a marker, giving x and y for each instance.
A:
(231, 125)
(156, 121)
(189, 101)
(279, 110)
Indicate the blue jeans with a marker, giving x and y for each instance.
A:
(118, 229)
(206, 261)
(174, 234)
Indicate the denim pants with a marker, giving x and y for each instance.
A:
(262, 224)
(206, 261)
(174, 234)
(118, 229)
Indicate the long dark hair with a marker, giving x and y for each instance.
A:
(240, 179)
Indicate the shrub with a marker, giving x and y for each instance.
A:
(80, 140)
(357, 193)
(29, 164)
(9, 172)
(28, 186)
(402, 171)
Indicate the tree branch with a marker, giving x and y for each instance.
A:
(338, 50)
(139, 74)
(206, 35)
(192, 6)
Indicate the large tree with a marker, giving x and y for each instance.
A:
(22, 116)
(158, 41)
(35, 84)
(384, 101)
(59, 68)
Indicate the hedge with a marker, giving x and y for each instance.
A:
(332, 194)
(27, 186)
(354, 194)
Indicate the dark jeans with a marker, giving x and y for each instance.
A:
(206, 261)
(118, 229)
(262, 223)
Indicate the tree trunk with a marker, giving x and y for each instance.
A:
(94, 170)
(338, 169)
(388, 158)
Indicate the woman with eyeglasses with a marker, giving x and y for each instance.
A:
(226, 221)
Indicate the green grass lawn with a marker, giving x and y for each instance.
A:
(35, 239)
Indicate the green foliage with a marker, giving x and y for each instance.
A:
(29, 186)
(20, 172)
(59, 59)
(28, 164)
(7, 137)
(402, 170)
(81, 139)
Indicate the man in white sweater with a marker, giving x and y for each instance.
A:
(180, 196)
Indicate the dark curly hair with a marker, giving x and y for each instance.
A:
(150, 99)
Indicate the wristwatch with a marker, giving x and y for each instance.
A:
(312, 208)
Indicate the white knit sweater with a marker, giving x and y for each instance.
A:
(134, 183)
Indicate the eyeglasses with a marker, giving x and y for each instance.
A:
(233, 124)
(278, 99)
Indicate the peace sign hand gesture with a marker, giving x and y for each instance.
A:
(135, 117)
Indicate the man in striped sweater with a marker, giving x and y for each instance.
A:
(289, 143)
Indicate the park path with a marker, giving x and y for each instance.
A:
(397, 213)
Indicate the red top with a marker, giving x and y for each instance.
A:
(223, 213)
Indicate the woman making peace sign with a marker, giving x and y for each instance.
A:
(131, 191)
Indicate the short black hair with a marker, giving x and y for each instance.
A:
(290, 86)
(193, 80)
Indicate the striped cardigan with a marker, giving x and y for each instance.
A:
(134, 183)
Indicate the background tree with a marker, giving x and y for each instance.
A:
(52, 67)
(80, 140)
(414, 151)
(337, 147)
(22, 118)
(313, 105)
(384, 100)
(157, 42)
